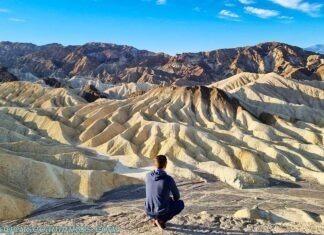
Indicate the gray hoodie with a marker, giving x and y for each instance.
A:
(159, 186)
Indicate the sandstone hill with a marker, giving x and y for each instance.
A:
(38, 158)
(123, 64)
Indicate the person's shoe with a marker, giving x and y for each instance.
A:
(153, 222)
(160, 224)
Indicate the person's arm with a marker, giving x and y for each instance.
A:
(174, 190)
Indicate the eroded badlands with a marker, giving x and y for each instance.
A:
(246, 131)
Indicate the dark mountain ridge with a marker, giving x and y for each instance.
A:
(119, 63)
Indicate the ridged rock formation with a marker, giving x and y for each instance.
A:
(283, 59)
(127, 90)
(36, 96)
(90, 93)
(36, 156)
(243, 130)
(124, 64)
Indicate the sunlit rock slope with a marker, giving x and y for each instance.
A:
(244, 130)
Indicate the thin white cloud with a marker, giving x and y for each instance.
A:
(197, 9)
(161, 2)
(228, 3)
(229, 14)
(247, 2)
(261, 13)
(312, 9)
(226, 14)
(285, 17)
(4, 10)
(17, 19)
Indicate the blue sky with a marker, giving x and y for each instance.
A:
(171, 26)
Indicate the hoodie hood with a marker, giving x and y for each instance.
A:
(158, 174)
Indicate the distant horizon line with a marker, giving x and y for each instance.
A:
(157, 52)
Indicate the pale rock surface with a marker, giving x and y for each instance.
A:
(280, 215)
(258, 128)
(13, 204)
(125, 90)
(37, 154)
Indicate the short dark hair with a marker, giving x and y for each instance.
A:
(161, 161)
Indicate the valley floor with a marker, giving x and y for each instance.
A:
(209, 210)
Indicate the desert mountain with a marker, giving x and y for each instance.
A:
(319, 48)
(286, 60)
(89, 115)
(124, 64)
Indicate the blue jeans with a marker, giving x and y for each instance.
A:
(174, 209)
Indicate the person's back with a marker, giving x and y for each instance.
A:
(158, 188)
(159, 185)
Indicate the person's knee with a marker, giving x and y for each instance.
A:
(181, 205)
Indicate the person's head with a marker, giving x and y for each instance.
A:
(160, 161)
